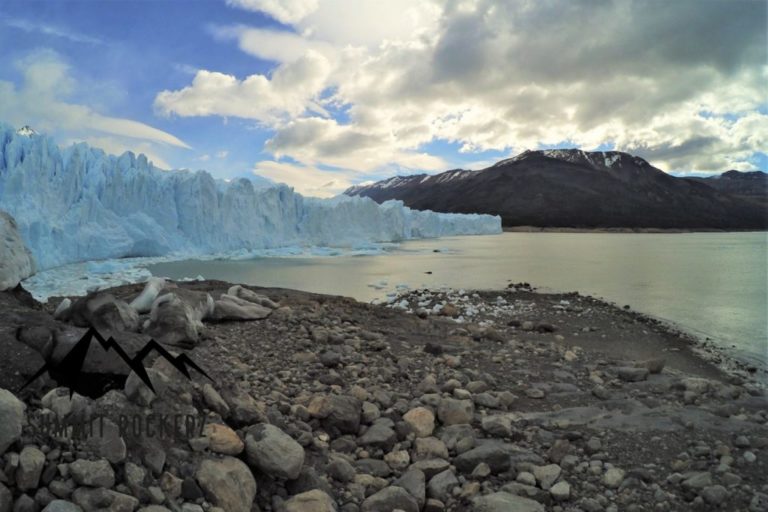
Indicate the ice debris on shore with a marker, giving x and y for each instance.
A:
(459, 305)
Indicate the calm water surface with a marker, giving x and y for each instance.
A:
(711, 284)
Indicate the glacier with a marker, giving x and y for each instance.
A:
(80, 204)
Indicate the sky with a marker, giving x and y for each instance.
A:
(324, 94)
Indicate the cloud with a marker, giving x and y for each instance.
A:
(285, 11)
(703, 144)
(275, 45)
(290, 91)
(307, 180)
(324, 141)
(370, 22)
(682, 83)
(51, 30)
(41, 102)
(118, 146)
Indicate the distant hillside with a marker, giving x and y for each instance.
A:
(578, 189)
(745, 185)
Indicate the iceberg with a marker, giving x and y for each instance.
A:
(80, 204)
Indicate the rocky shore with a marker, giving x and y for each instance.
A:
(437, 401)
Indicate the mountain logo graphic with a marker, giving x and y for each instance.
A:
(69, 371)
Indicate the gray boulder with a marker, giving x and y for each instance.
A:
(337, 411)
(31, 462)
(6, 499)
(311, 501)
(104, 312)
(104, 499)
(16, 261)
(62, 506)
(547, 475)
(213, 400)
(227, 483)
(505, 502)
(340, 469)
(441, 485)
(245, 410)
(106, 441)
(274, 452)
(632, 374)
(12, 414)
(496, 455)
(414, 482)
(454, 412)
(389, 499)
(379, 435)
(93, 473)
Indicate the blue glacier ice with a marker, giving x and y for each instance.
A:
(80, 204)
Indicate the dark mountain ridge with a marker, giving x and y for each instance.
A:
(749, 186)
(576, 189)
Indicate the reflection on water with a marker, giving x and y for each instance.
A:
(713, 284)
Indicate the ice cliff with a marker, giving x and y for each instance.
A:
(79, 204)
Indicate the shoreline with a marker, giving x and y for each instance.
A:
(700, 345)
(134, 271)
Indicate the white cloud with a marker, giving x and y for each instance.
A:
(51, 30)
(275, 45)
(682, 85)
(285, 11)
(290, 91)
(41, 102)
(307, 180)
(324, 141)
(370, 22)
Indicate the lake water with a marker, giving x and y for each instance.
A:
(710, 284)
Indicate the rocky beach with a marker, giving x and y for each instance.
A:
(508, 400)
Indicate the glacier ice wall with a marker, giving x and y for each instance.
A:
(79, 204)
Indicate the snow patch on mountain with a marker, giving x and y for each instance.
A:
(80, 204)
(595, 159)
(26, 131)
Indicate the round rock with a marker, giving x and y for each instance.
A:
(273, 451)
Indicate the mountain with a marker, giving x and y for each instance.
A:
(26, 131)
(750, 186)
(79, 204)
(574, 188)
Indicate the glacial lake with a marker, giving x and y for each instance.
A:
(710, 284)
